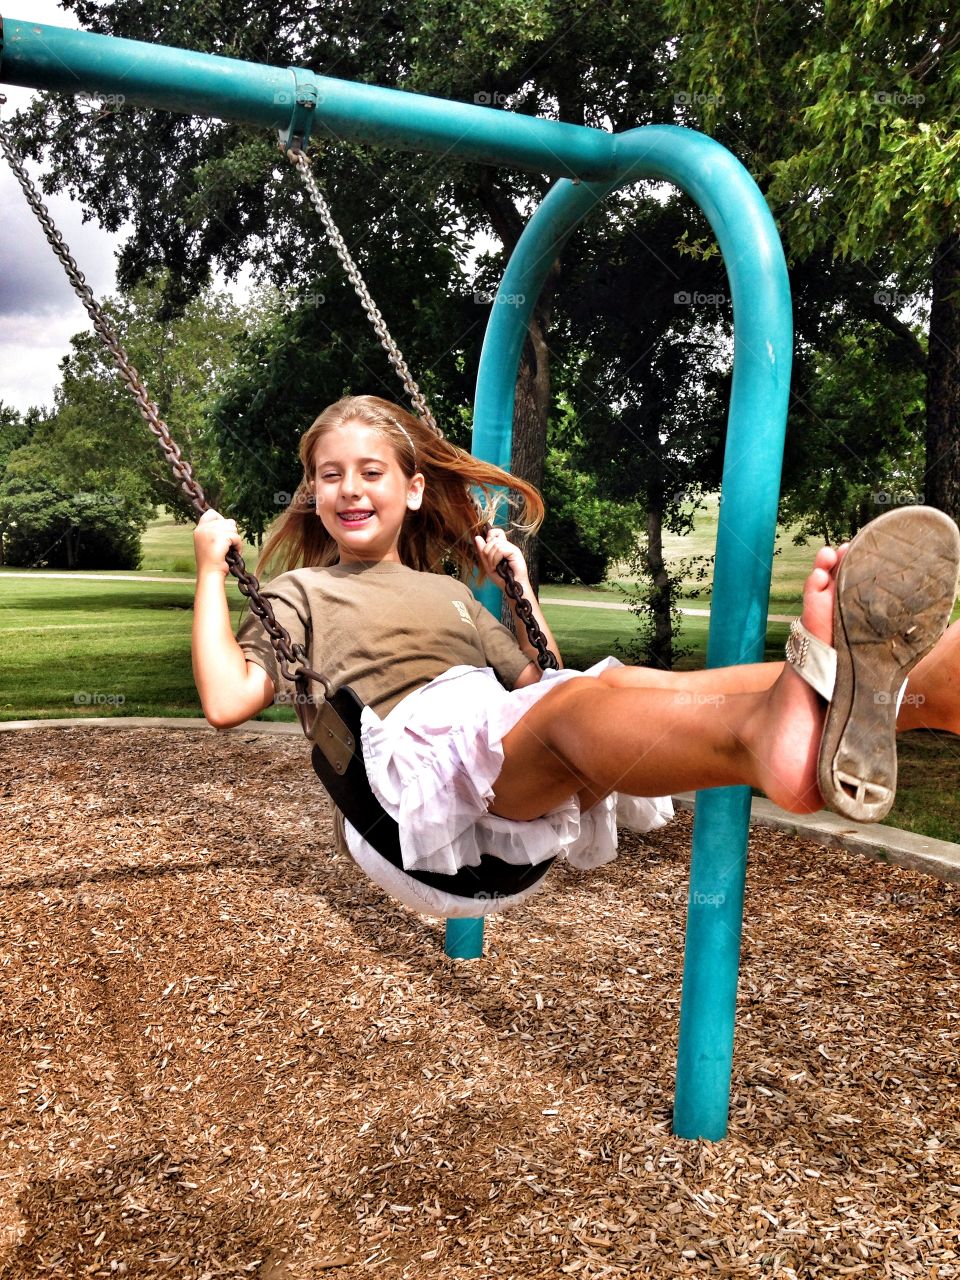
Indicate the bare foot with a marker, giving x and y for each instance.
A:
(932, 700)
(788, 743)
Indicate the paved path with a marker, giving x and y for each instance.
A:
(938, 858)
(95, 577)
(552, 601)
(624, 608)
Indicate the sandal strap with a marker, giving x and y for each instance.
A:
(811, 658)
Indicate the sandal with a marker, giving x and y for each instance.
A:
(895, 590)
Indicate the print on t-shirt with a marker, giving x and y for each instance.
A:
(464, 613)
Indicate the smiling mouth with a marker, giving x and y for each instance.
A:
(354, 517)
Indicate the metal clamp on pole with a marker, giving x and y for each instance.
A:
(304, 97)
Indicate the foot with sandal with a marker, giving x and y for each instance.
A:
(896, 584)
(820, 730)
(885, 601)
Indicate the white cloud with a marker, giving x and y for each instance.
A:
(39, 312)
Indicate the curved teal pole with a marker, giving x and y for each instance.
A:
(760, 290)
(156, 75)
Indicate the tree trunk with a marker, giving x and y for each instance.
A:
(533, 380)
(530, 413)
(942, 480)
(661, 648)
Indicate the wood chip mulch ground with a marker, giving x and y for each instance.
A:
(224, 1054)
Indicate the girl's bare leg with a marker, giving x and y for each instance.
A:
(593, 736)
(932, 699)
(749, 677)
(933, 691)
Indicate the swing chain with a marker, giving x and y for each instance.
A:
(512, 588)
(546, 659)
(374, 314)
(288, 652)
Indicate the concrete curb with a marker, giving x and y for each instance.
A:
(938, 858)
(152, 722)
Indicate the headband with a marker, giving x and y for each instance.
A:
(409, 439)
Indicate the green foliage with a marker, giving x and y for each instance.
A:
(15, 431)
(648, 388)
(654, 600)
(847, 115)
(847, 112)
(181, 361)
(792, 90)
(46, 522)
(77, 488)
(583, 531)
(854, 402)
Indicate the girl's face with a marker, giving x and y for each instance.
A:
(362, 492)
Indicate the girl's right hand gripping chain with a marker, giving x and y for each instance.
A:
(212, 539)
(494, 548)
(231, 688)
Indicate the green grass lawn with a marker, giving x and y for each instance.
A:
(95, 648)
(81, 648)
(791, 563)
(168, 548)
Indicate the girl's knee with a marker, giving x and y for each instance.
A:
(567, 710)
(576, 693)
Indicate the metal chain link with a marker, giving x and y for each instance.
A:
(374, 315)
(546, 658)
(287, 651)
(513, 589)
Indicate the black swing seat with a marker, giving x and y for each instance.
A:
(349, 789)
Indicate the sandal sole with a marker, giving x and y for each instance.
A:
(895, 590)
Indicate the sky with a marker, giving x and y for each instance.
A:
(39, 311)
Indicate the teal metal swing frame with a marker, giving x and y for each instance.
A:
(589, 164)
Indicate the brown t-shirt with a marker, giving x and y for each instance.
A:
(382, 628)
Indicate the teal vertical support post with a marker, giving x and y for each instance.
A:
(756, 423)
(464, 939)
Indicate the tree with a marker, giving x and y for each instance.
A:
(49, 519)
(848, 114)
(218, 199)
(855, 403)
(413, 221)
(15, 431)
(650, 384)
(78, 486)
(182, 361)
(585, 527)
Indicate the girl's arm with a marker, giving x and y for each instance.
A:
(490, 551)
(231, 688)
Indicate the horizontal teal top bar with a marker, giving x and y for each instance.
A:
(43, 57)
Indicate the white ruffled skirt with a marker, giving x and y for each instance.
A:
(432, 763)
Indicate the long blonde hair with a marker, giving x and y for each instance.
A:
(440, 533)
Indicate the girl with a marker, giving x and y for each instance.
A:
(467, 744)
